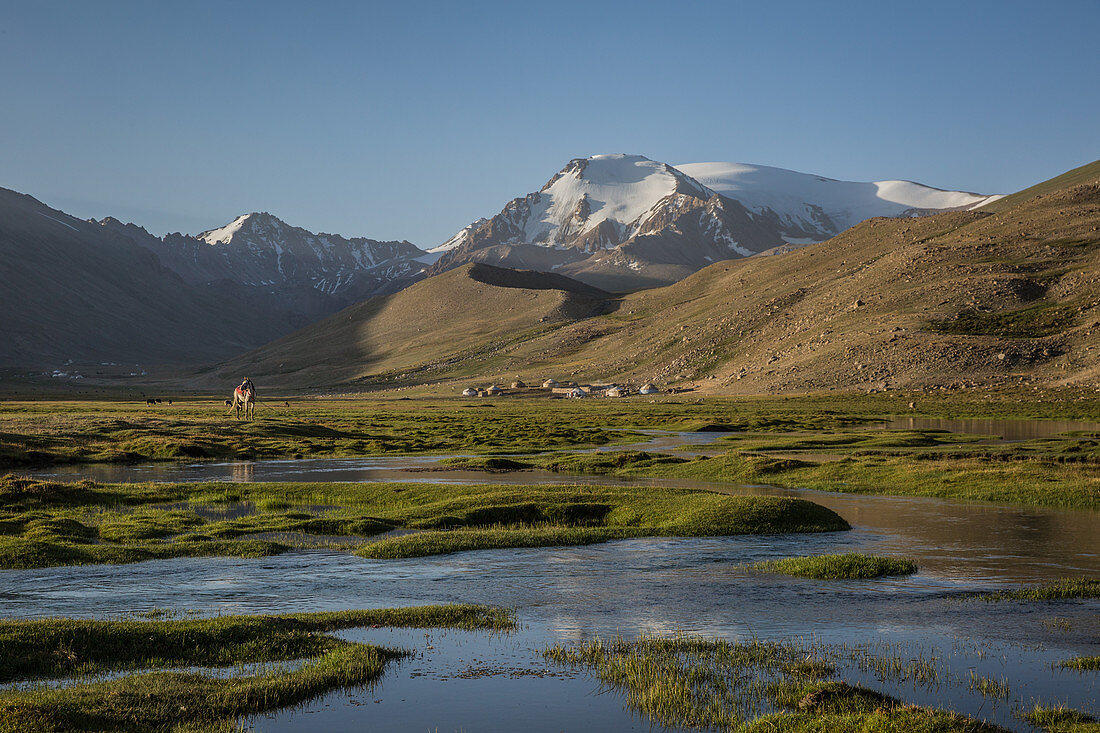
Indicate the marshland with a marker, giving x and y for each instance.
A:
(726, 563)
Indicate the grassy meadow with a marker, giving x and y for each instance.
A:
(45, 432)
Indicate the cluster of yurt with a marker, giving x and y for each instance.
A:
(566, 389)
(494, 390)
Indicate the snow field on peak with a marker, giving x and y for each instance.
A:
(617, 187)
(790, 194)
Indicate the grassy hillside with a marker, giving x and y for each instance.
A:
(958, 299)
(461, 322)
(1084, 174)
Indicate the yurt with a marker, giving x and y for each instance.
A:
(469, 392)
(577, 392)
(518, 384)
(648, 388)
(550, 384)
(614, 391)
(494, 391)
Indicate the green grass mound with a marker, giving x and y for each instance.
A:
(849, 566)
(1058, 590)
(423, 544)
(163, 700)
(86, 523)
(662, 513)
(58, 647)
(159, 700)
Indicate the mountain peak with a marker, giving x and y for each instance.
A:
(255, 223)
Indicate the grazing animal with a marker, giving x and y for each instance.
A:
(244, 396)
(158, 402)
(286, 404)
(229, 403)
(169, 402)
(150, 402)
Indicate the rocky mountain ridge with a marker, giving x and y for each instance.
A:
(261, 250)
(625, 222)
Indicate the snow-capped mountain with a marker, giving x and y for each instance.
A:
(260, 250)
(625, 221)
(815, 208)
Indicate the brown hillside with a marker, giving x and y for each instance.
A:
(955, 299)
(1084, 174)
(451, 322)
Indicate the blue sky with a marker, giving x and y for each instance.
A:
(409, 120)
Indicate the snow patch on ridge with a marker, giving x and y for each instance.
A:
(225, 234)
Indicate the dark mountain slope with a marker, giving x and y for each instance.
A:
(74, 290)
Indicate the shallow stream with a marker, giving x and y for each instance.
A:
(476, 681)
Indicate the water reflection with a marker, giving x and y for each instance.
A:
(1007, 429)
(242, 471)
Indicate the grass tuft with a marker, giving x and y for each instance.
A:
(850, 566)
(748, 686)
(1082, 664)
(1061, 720)
(1058, 590)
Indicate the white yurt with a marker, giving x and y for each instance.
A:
(614, 391)
(648, 388)
(469, 392)
(577, 392)
(550, 384)
(494, 391)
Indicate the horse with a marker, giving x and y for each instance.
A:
(244, 396)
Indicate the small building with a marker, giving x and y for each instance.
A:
(614, 391)
(649, 388)
(577, 393)
(550, 384)
(519, 384)
(494, 391)
(469, 392)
